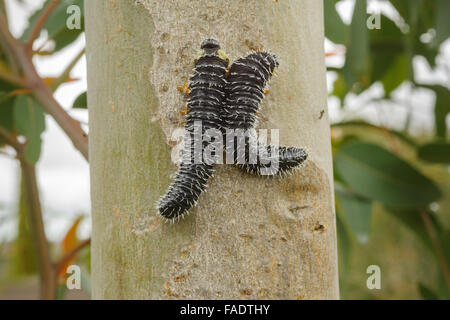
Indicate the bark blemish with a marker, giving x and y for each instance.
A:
(319, 227)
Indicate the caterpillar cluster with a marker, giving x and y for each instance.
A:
(224, 100)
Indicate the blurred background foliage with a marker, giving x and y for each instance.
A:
(392, 186)
(22, 122)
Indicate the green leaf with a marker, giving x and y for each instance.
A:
(426, 20)
(3, 96)
(66, 37)
(335, 29)
(441, 108)
(386, 44)
(61, 291)
(408, 9)
(442, 21)
(29, 120)
(56, 23)
(344, 254)
(396, 74)
(340, 88)
(81, 101)
(427, 50)
(6, 115)
(357, 60)
(444, 239)
(355, 212)
(378, 174)
(360, 123)
(413, 221)
(427, 293)
(421, 16)
(438, 152)
(24, 260)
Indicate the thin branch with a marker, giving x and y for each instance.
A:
(5, 43)
(42, 92)
(48, 287)
(66, 73)
(48, 284)
(334, 69)
(39, 23)
(69, 255)
(12, 141)
(3, 9)
(436, 246)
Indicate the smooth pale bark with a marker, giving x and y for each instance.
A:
(249, 237)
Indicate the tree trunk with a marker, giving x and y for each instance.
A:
(249, 237)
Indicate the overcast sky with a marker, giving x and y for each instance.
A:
(63, 174)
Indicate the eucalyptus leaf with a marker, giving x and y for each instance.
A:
(427, 293)
(81, 101)
(340, 88)
(357, 61)
(441, 108)
(380, 175)
(6, 115)
(442, 21)
(344, 255)
(361, 123)
(386, 45)
(56, 23)
(356, 213)
(412, 220)
(438, 152)
(335, 29)
(29, 120)
(396, 74)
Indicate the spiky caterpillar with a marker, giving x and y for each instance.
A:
(246, 82)
(206, 99)
(244, 91)
(287, 158)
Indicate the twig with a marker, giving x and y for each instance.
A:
(48, 287)
(3, 9)
(42, 92)
(436, 246)
(39, 23)
(48, 284)
(69, 255)
(5, 45)
(66, 73)
(12, 141)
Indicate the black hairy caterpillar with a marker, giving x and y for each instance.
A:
(244, 91)
(286, 159)
(206, 97)
(246, 82)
